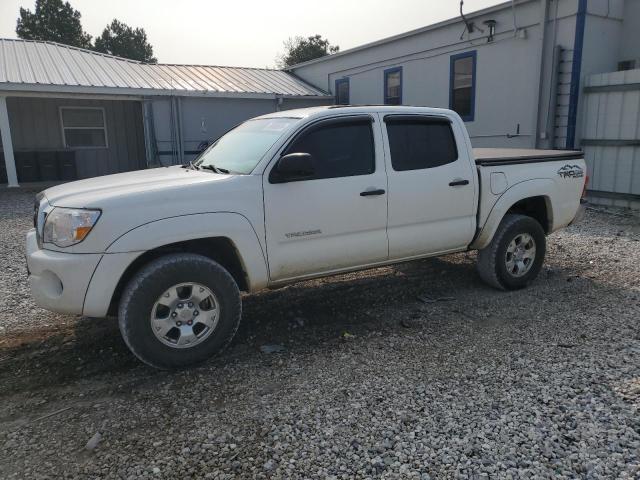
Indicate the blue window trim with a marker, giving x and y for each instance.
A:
(387, 72)
(340, 81)
(576, 70)
(473, 54)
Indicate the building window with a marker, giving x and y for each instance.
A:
(626, 65)
(462, 85)
(83, 127)
(342, 91)
(393, 86)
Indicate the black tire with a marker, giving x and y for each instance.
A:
(148, 284)
(492, 264)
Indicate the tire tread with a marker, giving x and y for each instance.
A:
(487, 264)
(145, 274)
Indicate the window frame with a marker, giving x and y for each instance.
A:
(388, 72)
(340, 81)
(325, 122)
(423, 119)
(473, 54)
(63, 128)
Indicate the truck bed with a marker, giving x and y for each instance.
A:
(512, 156)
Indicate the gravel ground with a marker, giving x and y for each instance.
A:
(373, 380)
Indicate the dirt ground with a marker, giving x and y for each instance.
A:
(413, 371)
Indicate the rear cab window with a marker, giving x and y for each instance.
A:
(420, 142)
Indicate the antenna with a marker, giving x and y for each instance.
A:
(469, 26)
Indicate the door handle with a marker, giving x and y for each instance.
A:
(371, 193)
(457, 183)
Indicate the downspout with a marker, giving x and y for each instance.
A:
(576, 69)
(179, 131)
(149, 133)
(538, 110)
(7, 144)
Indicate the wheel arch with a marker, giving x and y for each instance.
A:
(533, 198)
(226, 238)
(219, 249)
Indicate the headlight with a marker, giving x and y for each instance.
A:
(67, 226)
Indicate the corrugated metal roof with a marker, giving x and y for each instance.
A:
(33, 65)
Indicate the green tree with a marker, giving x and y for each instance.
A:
(299, 49)
(121, 40)
(53, 21)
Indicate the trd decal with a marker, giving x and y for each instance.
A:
(571, 171)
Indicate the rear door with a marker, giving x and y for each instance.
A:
(431, 187)
(338, 218)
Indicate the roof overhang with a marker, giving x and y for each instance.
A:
(22, 89)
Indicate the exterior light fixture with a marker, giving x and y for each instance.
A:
(491, 24)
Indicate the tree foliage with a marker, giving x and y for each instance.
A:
(53, 21)
(58, 21)
(121, 40)
(300, 49)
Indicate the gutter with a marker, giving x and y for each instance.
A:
(576, 70)
(21, 89)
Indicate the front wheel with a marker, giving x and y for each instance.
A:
(514, 257)
(179, 310)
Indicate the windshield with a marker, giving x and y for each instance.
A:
(240, 150)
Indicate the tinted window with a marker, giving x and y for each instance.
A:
(342, 149)
(420, 143)
(463, 71)
(393, 86)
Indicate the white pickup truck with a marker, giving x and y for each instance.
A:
(287, 197)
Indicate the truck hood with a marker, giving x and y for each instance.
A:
(94, 192)
(130, 200)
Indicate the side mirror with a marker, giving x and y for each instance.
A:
(293, 167)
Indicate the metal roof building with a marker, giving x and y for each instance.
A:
(67, 112)
(49, 66)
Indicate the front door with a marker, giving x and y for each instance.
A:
(431, 187)
(336, 218)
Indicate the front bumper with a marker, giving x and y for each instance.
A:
(58, 280)
(580, 214)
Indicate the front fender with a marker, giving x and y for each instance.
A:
(233, 226)
(539, 187)
(124, 250)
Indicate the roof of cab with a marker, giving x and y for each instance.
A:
(346, 109)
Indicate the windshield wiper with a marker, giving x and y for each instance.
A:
(215, 169)
(191, 166)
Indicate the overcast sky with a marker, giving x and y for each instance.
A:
(250, 32)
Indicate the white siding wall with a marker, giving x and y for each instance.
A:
(630, 46)
(507, 72)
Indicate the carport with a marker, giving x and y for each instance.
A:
(68, 113)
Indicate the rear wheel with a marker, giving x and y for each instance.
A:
(514, 257)
(179, 310)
